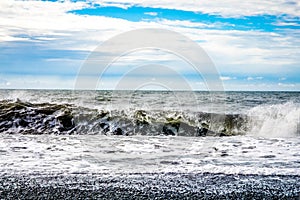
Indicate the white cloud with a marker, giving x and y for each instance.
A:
(286, 85)
(254, 78)
(188, 24)
(229, 8)
(251, 86)
(226, 78)
(123, 5)
(29, 18)
(4, 82)
(36, 82)
(232, 51)
(151, 13)
(280, 23)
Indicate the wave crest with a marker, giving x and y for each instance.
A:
(47, 118)
(280, 120)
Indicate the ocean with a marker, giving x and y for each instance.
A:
(208, 144)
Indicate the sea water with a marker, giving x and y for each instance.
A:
(113, 132)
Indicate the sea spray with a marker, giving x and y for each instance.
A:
(279, 120)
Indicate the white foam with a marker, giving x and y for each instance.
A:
(280, 120)
(140, 154)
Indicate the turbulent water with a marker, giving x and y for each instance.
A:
(149, 132)
(150, 113)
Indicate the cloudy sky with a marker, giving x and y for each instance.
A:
(254, 45)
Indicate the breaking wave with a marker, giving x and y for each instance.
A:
(280, 120)
(49, 118)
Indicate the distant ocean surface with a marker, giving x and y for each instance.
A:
(117, 132)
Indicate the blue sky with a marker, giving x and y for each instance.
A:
(255, 45)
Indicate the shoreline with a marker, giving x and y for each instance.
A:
(149, 186)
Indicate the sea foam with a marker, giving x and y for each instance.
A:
(279, 120)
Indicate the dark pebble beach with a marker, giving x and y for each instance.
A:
(149, 186)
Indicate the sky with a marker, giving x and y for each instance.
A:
(254, 45)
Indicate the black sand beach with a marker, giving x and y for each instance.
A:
(149, 186)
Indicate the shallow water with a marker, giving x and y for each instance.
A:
(152, 154)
